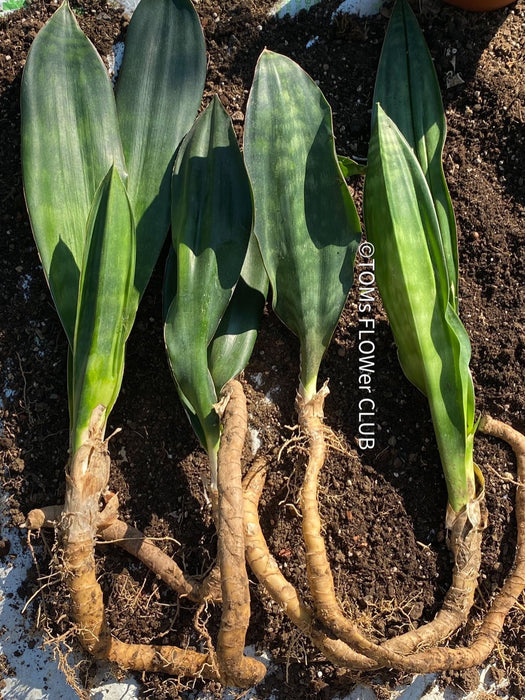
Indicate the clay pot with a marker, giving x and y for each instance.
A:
(479, 5)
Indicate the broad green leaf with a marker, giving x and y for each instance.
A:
(232, 344)
(169, 292)
(70, 139)
(104, 305)
(433, 346)
(408, 90)
(305, 220)
(349, 167)
(158, 93)
(211, 225)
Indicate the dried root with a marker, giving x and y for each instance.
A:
(235, 668)
(87, 611)
(280, 590)
(443, 658)
(78, 523)
(466, 543)
(81, 520)
(465, 530)
(114, 531)
(87, 480)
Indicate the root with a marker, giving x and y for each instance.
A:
(465, 530)
(81, 519)
(161, 564)
(77, 524)
(487, 637)
(115, 531)
(321, 581)
(280, 590)
(235, 668)
(87, 612)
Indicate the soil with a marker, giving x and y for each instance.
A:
(383, 508)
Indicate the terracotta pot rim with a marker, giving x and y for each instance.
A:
(480, 5)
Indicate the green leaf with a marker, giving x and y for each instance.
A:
(349, 167)
(305, 220)
(12, 5)
(169, 292)
(232, 344)
(433, 346)
(104, 305)
(159, 91)
(408, 90)
(70, 139)
(211, 225)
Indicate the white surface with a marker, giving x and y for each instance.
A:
(129, 5)
(311, 42)
(35, 672)
(365, 8)
(292, 7)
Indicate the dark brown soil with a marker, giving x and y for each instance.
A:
(383, 508)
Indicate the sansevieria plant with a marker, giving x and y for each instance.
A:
(97, 178)
(106, 173)
(410, 220)
(214, 293)
(410, 224)
(308, 231)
